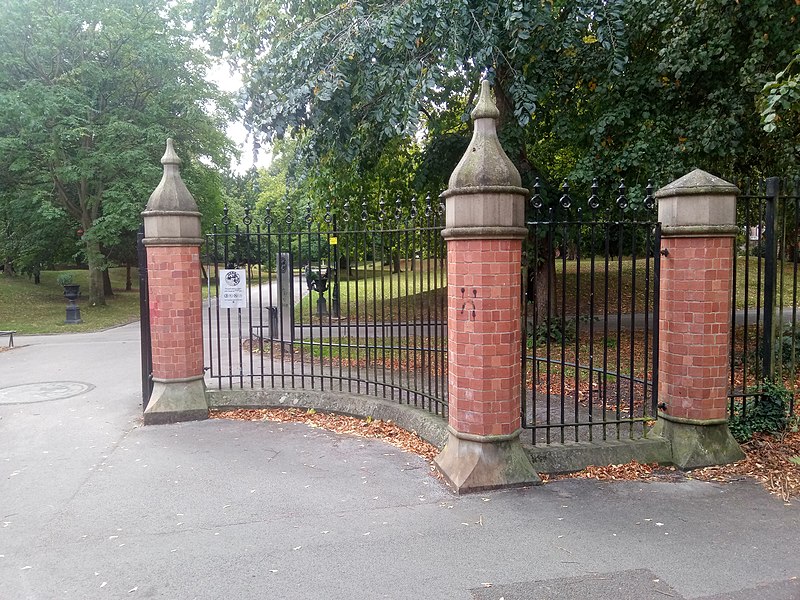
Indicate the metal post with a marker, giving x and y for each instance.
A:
(770, 277)
(335, 307)
(144, 322)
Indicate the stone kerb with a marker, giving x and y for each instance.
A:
(172, 240)
(484, 228)
(698, 223)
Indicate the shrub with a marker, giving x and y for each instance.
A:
(767, 413)
(64, 279)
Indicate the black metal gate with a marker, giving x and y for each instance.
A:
(765, 344)
(590, 360)
(342, 301)
(144, 321)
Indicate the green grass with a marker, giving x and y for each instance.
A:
(786, 295)
(407, 296)
(29, 308)
(569, 278)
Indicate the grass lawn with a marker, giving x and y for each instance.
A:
(380, 295)
(29, 308)
(621, 274)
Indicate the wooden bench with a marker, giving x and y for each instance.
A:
(10, 335)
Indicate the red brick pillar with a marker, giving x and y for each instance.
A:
(172, 239)
(698, 225)
(485, 225)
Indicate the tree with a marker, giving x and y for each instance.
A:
(644, 89)
(779, 102)
(351, 76)
(89, 91)
(687, 94)
(613, 89)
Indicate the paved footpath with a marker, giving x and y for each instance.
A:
(93, 505)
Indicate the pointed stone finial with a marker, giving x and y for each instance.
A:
(485, 162)
(171, 193)
(486, 108)
(485, 194)
(171, 216)
(170, 156)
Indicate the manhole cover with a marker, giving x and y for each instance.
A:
(42, 392)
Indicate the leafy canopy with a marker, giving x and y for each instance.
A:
(89, 91)
(612, 88)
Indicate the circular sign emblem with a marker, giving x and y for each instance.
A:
(232, 277)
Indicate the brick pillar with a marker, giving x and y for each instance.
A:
(173, 238)
(698, 227)
(485, 225)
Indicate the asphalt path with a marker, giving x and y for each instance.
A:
(94, 505)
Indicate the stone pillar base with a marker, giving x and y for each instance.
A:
(471, 463)
(697, 444)
(177, 400)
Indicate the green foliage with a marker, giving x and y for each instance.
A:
(554, 332)
(788, 348)
(64, 279)
(640, 90)
(780, 97)
(89, 91)
(766, 413)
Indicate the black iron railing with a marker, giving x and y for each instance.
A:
(343, 302)
(144, 321)
(765, 340)
(590, 363)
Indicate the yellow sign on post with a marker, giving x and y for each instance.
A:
(333, 241)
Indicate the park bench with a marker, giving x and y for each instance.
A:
(10, 335)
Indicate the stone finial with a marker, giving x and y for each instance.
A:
(171, 194)
(171, 217)
(485, 108)
(170, 156)
(485, 164)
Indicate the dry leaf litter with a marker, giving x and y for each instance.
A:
(771, 460)
(367, 428)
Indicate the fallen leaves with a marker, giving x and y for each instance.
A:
(366, 428)
(770, 460)
(623, 472)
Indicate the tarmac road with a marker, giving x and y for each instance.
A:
(93, 505)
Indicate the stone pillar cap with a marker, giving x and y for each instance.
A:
(697, 183)
(485, 163)
(171, 195)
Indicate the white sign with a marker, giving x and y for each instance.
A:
(232, 288)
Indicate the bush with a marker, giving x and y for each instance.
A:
(555, 333)
(64, 279)
(767, 413)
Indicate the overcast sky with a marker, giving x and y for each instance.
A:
(232, 82)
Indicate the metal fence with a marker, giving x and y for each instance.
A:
(765, 343)
(342, 301)
(591, 346)
(144, 321)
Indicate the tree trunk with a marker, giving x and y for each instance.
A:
(541, 277)
(94, 258)
(108, 291)
(128, 280)
(395, 262)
